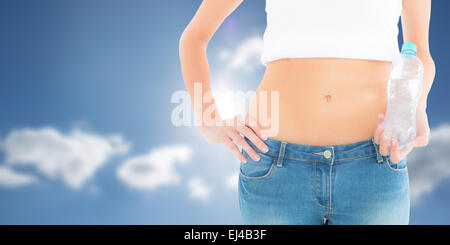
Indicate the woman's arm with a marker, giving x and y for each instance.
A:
(194, 42)
(415, 25)
(195, 70)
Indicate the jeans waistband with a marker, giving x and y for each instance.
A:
(333, 154)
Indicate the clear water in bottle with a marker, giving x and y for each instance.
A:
(404, 89)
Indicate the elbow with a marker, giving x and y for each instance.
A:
(191, 39)
(431, 66)
(425, 56)
(182, 42)
(427, 61)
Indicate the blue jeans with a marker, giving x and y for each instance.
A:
(323, 184)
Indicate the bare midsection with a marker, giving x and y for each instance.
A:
(322, 101)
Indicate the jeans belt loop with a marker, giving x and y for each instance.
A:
(281, 154)
(379, 156)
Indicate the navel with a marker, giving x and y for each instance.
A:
(327, 98)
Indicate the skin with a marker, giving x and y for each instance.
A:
(312, 91)
(415, 25)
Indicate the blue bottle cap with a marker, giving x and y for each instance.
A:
(409, 48)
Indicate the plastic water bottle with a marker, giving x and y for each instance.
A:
(404, 89)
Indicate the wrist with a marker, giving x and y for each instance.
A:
(208, 118)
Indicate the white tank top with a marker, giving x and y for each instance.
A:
(358, 29)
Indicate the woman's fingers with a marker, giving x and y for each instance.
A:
(415, 142)
(380, 117)
(394, 151)
(405, 151)
(230, 144)
(238, 139)
(398, 154)
(419, 141)
(379, 129)
(254, 126)
(384, 145)
(378, 134)
(250, 134)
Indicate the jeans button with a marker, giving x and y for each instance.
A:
(327, 154)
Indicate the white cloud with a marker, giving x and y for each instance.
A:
(246, 56)
(232, 181)
(9, 178)
(428, 166)
(224, 54)
(198, 189)
(74, 157)
(155, 169)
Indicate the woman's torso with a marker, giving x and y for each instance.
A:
(322, 101)
(330, 62)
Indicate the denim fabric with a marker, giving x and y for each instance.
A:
(323, 184)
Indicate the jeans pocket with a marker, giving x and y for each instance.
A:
(257, 170)
(399, 167)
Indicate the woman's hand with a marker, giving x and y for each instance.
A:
(229, 133)
(422, 136)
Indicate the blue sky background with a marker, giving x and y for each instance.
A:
(110, 67)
